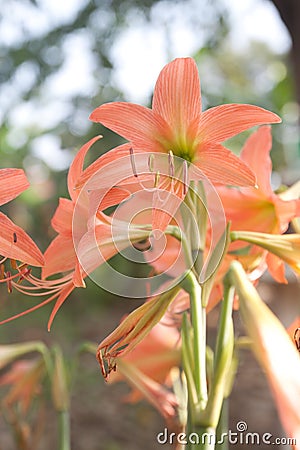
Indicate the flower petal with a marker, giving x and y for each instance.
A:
(62, 219)
(59, 257)
(76, 167)
(276, 268)
(140, 125)
(177, 96)
(223, 122)
(16, 244)
(12, 183)
(115, 168)
(61, 299)
(256, 154)
(220, 165)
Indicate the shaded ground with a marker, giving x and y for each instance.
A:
(100, 420)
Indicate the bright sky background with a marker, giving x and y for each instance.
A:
(139, 53)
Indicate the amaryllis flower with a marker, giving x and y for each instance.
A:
(14, 242)
(259, 209)
(177, 124)
(61, 256)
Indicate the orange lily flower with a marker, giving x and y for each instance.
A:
(14, 242)
(259, 209)
(176, 124)
(61, 255)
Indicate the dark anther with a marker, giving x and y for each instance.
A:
(143, 245)
(132, 162)
(15, 238)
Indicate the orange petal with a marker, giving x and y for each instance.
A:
(223, 122)
(16, 244)
(177, 96)
(220, 165)
(59, 257)
(12, 183)
(256, 154)
(115, 168)
(61, 299)
(62, 219)
(145, 129)
(166, 201)
(286, 211)
(276, 268)
(76, 167)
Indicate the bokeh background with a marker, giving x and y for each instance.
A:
(61, 59)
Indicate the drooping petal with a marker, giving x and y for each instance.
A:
(177, 96)
(220, 165)
(76, 167)
(256, 154)
(60, 256)
(145, 129)
(223, 122)
(12, 183)
(16, 244)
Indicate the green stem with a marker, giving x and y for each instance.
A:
(64, 430)
(222, 439)
(198, 325)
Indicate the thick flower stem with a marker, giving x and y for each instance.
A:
(199, 349)
(64, 430)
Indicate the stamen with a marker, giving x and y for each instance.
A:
(24, 275)
(151, 162)
(171, 164)
(185, 177)
(8, 280)
(143, 245)
(1, 271)
(156, 180)
(15, 238)
(13, 264)
(133, 162)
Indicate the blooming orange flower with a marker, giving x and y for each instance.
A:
(176, 125)
(259, 209)
(93, 243)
